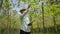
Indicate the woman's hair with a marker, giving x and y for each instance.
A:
(22, 10)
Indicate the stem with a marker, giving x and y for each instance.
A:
(43, 18)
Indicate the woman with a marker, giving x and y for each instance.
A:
(25, 22)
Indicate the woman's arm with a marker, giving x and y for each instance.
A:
(24, 10)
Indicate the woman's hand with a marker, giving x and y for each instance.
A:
(29, 6)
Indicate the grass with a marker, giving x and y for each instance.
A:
(46, 33)
(17, 32)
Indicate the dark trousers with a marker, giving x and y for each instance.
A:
(23, 32)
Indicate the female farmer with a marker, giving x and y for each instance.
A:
(25, 22)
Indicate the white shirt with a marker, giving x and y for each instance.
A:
(24, 22)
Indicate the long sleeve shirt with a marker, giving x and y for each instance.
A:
(24, 21)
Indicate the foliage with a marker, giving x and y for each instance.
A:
(12, 21)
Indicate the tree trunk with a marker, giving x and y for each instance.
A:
(55, 25)
(43, 18)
